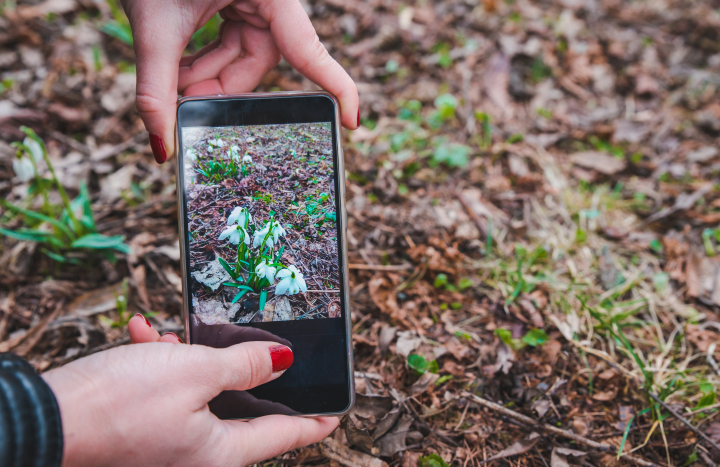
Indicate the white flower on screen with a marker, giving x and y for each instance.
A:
(240, 216)
(235, 234)
(247, 159)
(234, 152)
(23, 167)
(291, 282)
(190, 154)
(274, 234)
(218, 143)
(264, 270)
(35, 148)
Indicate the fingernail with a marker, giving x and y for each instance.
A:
(358, 123)
(158, 148)
(281, 356)
(144, 319)
(174, 335)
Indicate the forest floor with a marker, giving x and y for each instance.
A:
(533, 212)
(289, 179)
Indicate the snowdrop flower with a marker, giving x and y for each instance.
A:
(234, 152)
(23, 167)
(291, 282)
(190, 154)
(247, 159)
(276, 232)
(217, 142)
(34, 147)
(265, 270)
(240, 216)
(235, 234)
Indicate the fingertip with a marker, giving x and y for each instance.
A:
(141, 331)
(171, 337)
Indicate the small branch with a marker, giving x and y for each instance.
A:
(711, 360)
(687, 423)
(427, 427)
(380, 267)
(558, 431)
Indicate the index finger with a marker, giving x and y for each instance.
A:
(298, 42)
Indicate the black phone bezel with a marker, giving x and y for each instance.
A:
(270, 109)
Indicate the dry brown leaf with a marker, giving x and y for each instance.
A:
(599, 161)
(347, 457)
(96, 301)
(518, 447)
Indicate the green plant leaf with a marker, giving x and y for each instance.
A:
(122, 32)
(239, 296)
(263, 299)
(535, 337)
(28, 235)
(706, 400)
(432, 460)
(452, 155)
(35, 215)
(441, 280)
(60, 258)
(238, 286)
(227, 268)
(97, 241)
(418, 363)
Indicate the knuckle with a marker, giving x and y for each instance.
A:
(147, 103)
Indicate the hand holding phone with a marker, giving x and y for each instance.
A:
(261, 201)
(146, 405)
(251, 38)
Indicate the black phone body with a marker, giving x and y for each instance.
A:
(271, 164)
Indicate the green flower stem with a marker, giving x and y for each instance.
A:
(61, 190)
(40, 181)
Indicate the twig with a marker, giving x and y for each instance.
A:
(687, 423)
(310, 311)
(558, 431)
(711, 360)
(380, 267)
(427, 427)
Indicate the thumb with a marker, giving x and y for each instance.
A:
(158, 60)
(239, 367)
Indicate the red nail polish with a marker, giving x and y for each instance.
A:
(158, 148)
(174, 335)
(281, 356)
(358, 123)
(144, 319)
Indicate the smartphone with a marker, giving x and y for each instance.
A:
(261, 196)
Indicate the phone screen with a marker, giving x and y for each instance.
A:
(263, 244)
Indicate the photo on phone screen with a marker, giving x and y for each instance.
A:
(262, 223)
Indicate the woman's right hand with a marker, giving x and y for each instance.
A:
(147, 405)
(252, 38)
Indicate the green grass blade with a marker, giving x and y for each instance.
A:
(625, 436)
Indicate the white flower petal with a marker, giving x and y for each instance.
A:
(34, 147)
(283, 274)
(283, 286)
(301, 283)
(23, 168)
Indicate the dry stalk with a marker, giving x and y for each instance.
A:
(558, 431)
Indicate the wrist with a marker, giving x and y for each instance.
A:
(78, 411)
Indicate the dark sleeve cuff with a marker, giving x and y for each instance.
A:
(30, 425)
